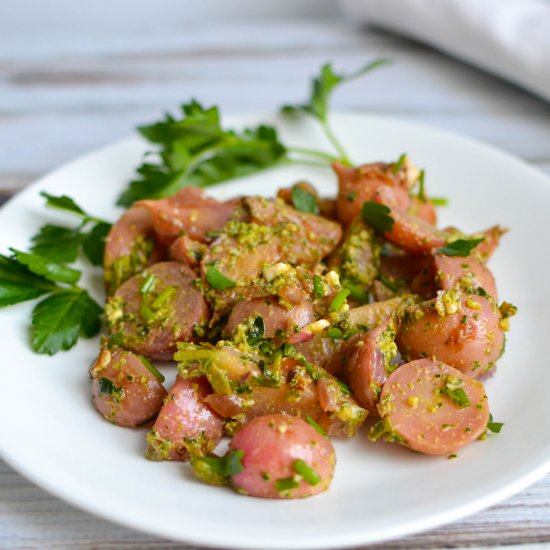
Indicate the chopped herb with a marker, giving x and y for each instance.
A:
(256, 331)
(306, 471)
(312, 422)
(421, 190)
(457, 396)
(334, 332)
(356, 292)
(227, 465)
(151, 368)
(286, 484)
(494, 427)
(218, 280)
(400, 161)
(507, 310)
(148, 284)
(339, 299)
(164, 296)
(350, 197)
(377, 216)
(439, 201)
(146, 312)
(480, 291)
(108, 387)
(344, 387)
(318, 287)
(304, 201)
(460, 247)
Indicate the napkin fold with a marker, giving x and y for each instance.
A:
(510, 38)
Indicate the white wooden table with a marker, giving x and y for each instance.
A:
(74, 77)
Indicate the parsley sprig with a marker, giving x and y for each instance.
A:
(68, 311)
(318, 104)
(62, 244)
(58, 320)
(195, 149)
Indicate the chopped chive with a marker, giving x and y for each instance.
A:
(218, 280)
(286, 484)
(421, 191)
(148, 285)
(314, 424)
(146, 312)
(164, 296)
(334, 332)
(356, 292)
(494, 427)
(306, 471)
(339, 299)
(377, 216)
(397, 166)
(318, 287)
(151, 368)
(344, 387)
(439, 201)
(458, 396)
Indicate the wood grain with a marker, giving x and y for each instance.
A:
(68, 85)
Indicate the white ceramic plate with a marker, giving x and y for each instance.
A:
(52, 435)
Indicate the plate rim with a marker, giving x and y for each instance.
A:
(328, 541)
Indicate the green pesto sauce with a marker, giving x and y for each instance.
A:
(125, 267)
(360, 255)
(387, 346)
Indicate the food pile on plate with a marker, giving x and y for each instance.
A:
(293, 319)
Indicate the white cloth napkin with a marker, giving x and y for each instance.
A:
(510, 38)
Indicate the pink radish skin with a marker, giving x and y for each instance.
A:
(272, 444)
(184, 417)
(136, 395)
(418, 413)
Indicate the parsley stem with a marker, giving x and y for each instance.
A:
(309, 163)
(344, 159)
(312, 153)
